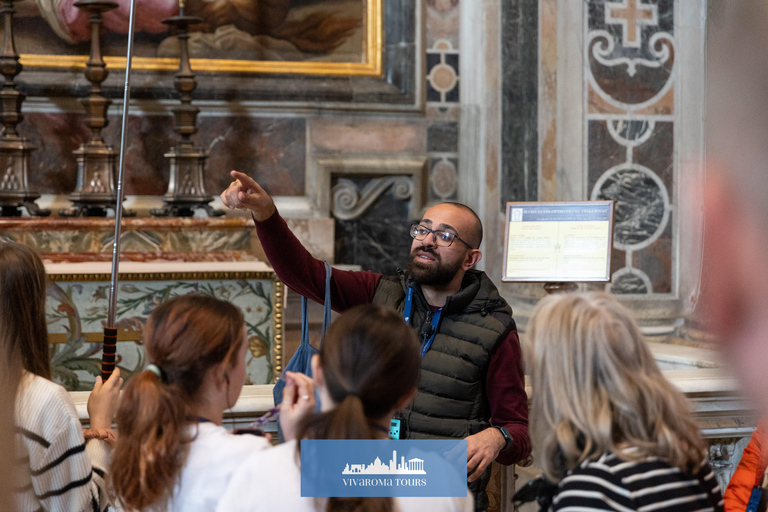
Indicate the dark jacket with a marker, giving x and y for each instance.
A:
(451, 401)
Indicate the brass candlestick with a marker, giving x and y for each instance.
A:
(14, 149)
(95, 192)
(186, 188)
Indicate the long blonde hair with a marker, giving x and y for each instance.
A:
(597, 389)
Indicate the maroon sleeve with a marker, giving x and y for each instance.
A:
(505, 383)
(304, 274)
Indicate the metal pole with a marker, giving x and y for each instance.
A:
(110, 332)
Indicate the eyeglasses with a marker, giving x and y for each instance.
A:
(441, 238)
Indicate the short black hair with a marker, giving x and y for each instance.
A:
(475, 238)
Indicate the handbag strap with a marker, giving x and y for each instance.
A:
(304, 322)
(326, 310)
(326, 303)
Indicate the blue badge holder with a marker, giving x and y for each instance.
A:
(301, 360)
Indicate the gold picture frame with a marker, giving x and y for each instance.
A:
(371, 67)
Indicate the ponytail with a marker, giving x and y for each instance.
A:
(153, 419)
(345, 421)
(184, 338)
(370, 360)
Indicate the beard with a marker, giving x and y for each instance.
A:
(438, 274)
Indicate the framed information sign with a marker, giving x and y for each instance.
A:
(558, 242)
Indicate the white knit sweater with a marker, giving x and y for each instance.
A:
(59, 471)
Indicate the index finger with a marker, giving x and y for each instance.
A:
(289, 391)
(247, 181)
(115, 377)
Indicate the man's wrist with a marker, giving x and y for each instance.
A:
(506, 438)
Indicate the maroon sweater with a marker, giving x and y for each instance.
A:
(302, 273)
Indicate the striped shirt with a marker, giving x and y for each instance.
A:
(59, 471)
(650, 485)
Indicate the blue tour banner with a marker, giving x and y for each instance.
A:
(367, 468)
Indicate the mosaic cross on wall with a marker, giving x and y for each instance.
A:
(629, 130)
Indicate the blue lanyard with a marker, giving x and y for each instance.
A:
(754, 499)
(408, 310)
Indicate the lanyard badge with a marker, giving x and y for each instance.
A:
(434, 323)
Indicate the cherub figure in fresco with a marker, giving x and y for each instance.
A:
(227, 24)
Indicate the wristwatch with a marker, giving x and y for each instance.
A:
(507, 437)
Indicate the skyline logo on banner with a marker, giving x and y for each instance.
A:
(354, 468)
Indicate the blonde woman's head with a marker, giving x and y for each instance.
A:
(597, 388)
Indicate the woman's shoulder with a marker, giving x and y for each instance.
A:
(275, 464)
(45, 413)
(596, 483)
(282, 456)
(614, 482)
(41, 398)
(226, 443)
(631, 473)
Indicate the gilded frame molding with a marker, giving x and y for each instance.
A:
(373, 48)
(278, 297)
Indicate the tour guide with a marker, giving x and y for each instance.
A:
(471, 383)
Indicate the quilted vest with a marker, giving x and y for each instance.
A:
(451, 401)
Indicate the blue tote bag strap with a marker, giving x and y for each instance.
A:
(304, 322)
(326, 310)
(326, 303)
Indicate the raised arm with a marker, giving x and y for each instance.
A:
(294, 265)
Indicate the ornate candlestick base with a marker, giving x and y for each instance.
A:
(186, 190)
(14, 149)
(14, 170)
(95, 192)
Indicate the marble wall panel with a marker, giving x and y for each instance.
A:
(519, 101)
(67, 239)
(357, 135)
(442, 22)
(271, 149)
(629, 77)
(378, 240)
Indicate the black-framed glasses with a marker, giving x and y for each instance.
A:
(440, 237)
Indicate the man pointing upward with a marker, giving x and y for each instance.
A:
(472, 383)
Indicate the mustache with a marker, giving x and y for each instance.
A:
(426, 249)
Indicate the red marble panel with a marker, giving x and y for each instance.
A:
(271, 149)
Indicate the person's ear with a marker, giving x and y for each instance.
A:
(317, 371)
(218, 375)
(472, 258)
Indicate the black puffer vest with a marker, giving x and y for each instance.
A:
(451, 401)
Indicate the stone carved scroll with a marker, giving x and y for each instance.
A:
(349, 202)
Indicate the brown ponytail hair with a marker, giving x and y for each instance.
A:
(370, 361)
(24, 330)
(184, 337)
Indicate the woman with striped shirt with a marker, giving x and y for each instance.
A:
(60, 470)
(608, 429)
